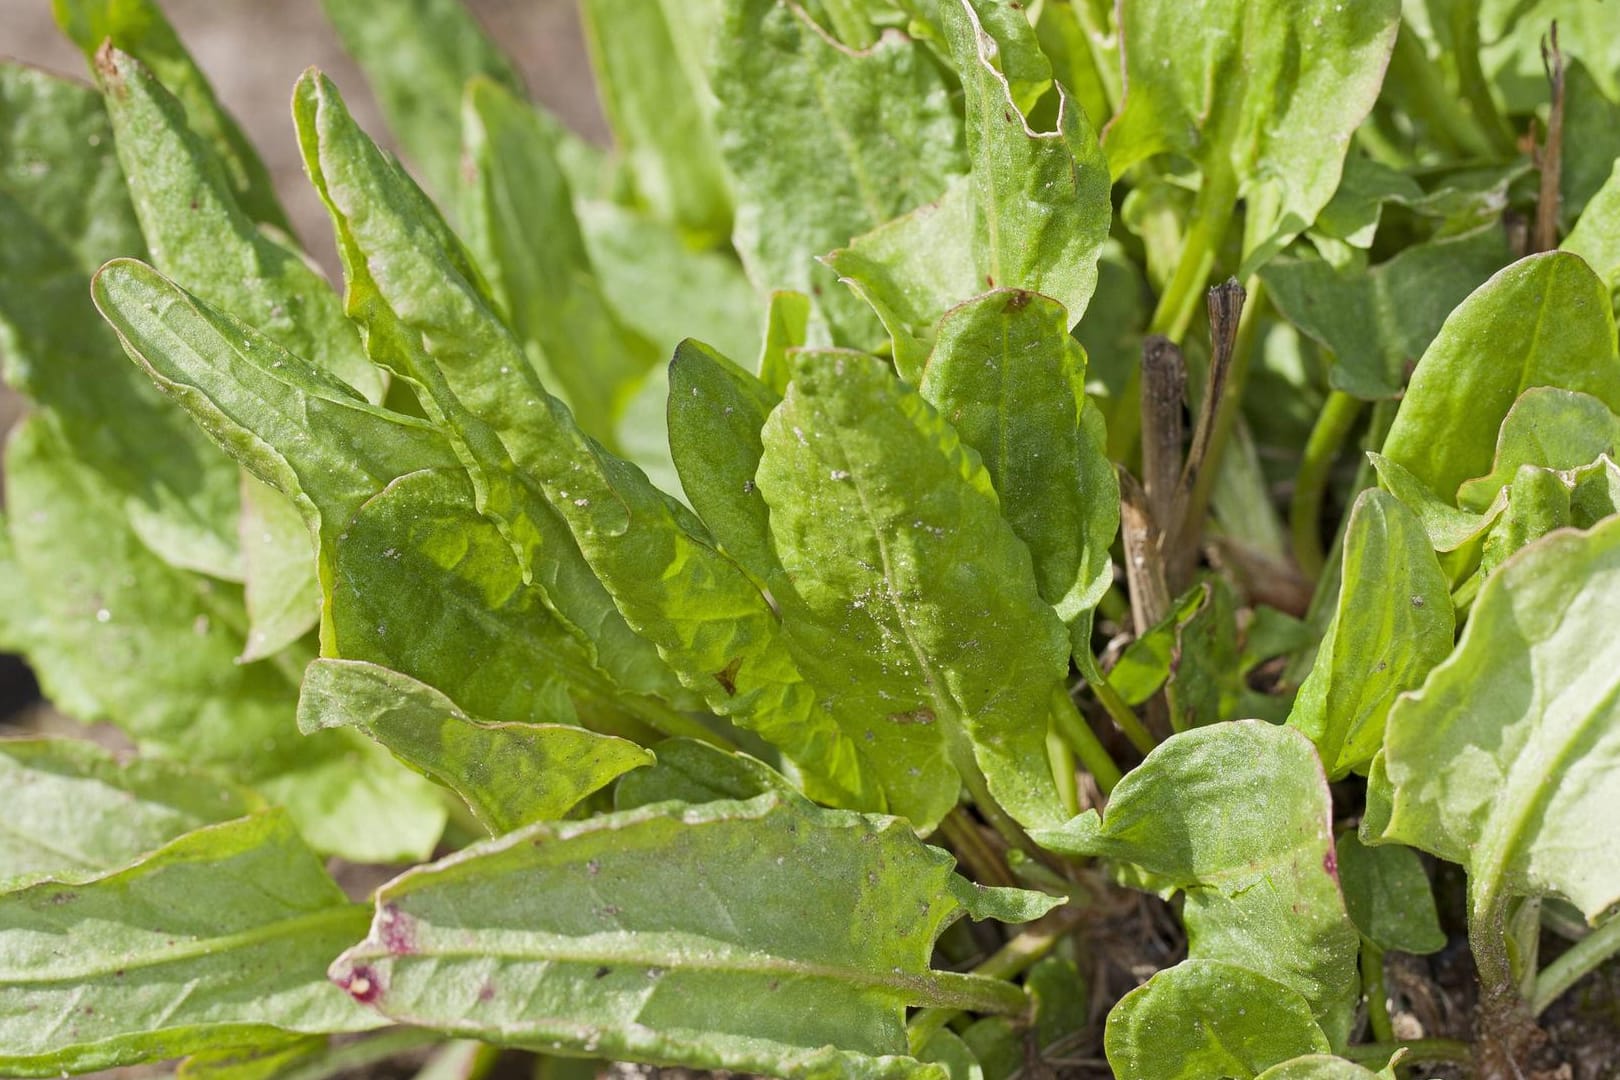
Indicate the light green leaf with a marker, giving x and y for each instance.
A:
(72, 811)
(910, 601)
(138, 27)
(410, 284)
(519, 222)
(1548, 428)
(1448, 528)
(1388, 896)
(1004, 905)
(716, 411)
(1205, 1018)
(1238, 815)
(509, 774)
(1377, 322)
(1393, 624)
(1011, 381)
(271, 1061)
(697, 772)
(824, 144)
(417, 56)
(787, 321)
(1595, 493)
(1323, 1067)
(281, 586)
(615, 939)
(1544, 321)
(1510, 784)
(217, 938)
(63, 211)
(648, 59)
(1596, 235)
(1262, 97)
(1513, 29)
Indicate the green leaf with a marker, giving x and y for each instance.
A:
(1011, 381)
(1591, 141)
(519, 222)
(1596, 235)
(1263, 98)
(509, 774)
(417, 56)
(72, 811)
(689, 771)
(1544, 321)
(1002, 904)
(616, 940)
(1378, 322)
(281, 586)
(139, 28)
(1448, 528)
(648, 59)
(1354, 212)
(1239, 817)
(1393, 624)
(63, 211)
(1513, 30)
(716, 411)
(409, 282)
(1032, 215)
(1548, 428)
(1323, 1067)
(911, 603)
(824, 144)
(1497, 762)
(217, 938)
(1388, 896)
(1205, 1018)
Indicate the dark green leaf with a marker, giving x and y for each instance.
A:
(696, 772)
(1596, 236)
(1388, 896)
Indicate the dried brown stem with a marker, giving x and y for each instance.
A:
(1144, 556)
(1164, 389)
(1551, 155)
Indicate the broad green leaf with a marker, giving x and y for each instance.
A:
(615, 938)
(696, 772)
(1393, 624)
(1033, 213)
(716, 411)
(216, 938)
(1262, 97)
(1448, 527)
(519, 221)
(1387, 893)
(649, 63)
(409, 282)
(911, 603)
(1498, 762)
(509, 774)
(1544, 321)
(63, 211)
(292, 425)
(1205, 1018)
(824, 144)
(1548, 428)
(139, 28)
(131, 639)
(1011, 381)
(1377, 322)
(281, 586)
(665, 290)
(1596, 235)
(73, 811)
(418, 55)
(1323, 1067)
(1239, 817)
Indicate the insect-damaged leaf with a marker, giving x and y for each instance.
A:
(1498, 762)
(618, 936)
(216, 938)
(1238, 815)
(509, 774)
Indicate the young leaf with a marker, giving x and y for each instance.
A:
(1208, 1018)
(1550, 429)
(649, 63)
(825, 143)
(1393, 624)
(1509, 784)
(138, 27)
(509, 774)
(911, 602)
(1011, 381)
(1263, 99)
(1238, 815)
(615, 938)
(1387, 893)
(1448, 528)
(1544, 321)
(418, 55)
(72, 811)
(216, 938)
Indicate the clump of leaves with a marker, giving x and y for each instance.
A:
(707, 548)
